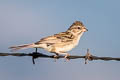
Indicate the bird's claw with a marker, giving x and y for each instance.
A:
(67, 57)
(55, 57)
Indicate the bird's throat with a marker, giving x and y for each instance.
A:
(78, 37)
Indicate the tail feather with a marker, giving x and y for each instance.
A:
(25, 46)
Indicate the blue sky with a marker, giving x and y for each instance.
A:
(26, 21)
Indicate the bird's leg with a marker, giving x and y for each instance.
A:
(66, 56)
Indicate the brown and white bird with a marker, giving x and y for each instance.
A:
(58, 43)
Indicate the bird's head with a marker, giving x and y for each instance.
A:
(77, 27)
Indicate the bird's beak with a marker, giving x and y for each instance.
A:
(86, 29)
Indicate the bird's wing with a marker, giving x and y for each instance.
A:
(65, 36)
(57, 38)
(49, 39)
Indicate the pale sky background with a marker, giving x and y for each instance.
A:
(26, 21)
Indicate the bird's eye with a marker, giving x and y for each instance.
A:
(78, 27)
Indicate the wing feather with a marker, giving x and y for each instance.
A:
(57, 38)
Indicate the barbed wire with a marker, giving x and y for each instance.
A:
(35, 55)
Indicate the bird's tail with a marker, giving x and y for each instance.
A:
(25, 46)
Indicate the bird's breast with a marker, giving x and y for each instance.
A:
(63, 48)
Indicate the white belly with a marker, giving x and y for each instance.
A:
(65, 48)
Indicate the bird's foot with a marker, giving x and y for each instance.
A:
(67, 57)
(55, 57)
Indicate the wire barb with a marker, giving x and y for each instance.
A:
(88, 56)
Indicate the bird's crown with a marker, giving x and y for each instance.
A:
(75, 24)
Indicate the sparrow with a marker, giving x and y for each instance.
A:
(59, 43)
